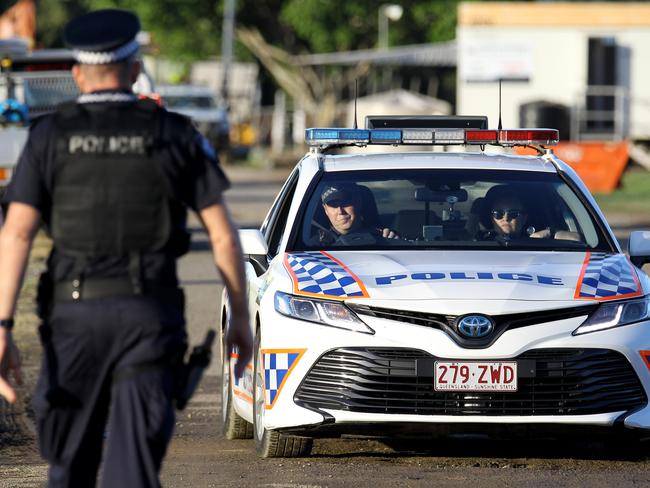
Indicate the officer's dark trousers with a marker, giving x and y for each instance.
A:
(105, 390)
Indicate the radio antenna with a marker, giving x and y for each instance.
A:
(500, 125)
(356, 94)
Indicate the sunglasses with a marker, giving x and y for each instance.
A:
(499, 213)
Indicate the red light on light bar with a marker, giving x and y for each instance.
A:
(481, 136)
(529, 136)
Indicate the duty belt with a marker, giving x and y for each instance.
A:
(90, 288)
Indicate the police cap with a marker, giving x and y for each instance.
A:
(339, 191)
(103, 36)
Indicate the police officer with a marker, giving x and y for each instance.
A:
(111, 177)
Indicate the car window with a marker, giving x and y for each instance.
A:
(202, 102)
(448, 209)
(273, 228)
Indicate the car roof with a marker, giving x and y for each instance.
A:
(439, 160)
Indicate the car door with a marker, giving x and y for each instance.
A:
(273, 229)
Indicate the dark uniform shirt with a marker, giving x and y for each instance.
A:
(188, 163)
(331, 237)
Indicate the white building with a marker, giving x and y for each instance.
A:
(591, 58)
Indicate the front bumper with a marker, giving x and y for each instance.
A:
(347, 382)
(552, 383)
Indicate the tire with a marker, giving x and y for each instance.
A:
(271, 443)
(234, 426)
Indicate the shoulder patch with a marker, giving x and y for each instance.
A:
(206, 147)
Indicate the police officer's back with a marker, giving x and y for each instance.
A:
(111, 177)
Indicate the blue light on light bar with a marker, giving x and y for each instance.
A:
(354, 135)
(322, 134)
(380, 136)
(320, 137)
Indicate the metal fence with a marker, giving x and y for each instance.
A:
(604, 115)
(41, 91)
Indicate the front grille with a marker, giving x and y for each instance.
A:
(447, 323)
(382, 380)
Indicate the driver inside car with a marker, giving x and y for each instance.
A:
(342, 204)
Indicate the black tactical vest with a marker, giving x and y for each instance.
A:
(110, 196)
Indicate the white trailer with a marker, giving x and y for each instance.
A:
(591, 58)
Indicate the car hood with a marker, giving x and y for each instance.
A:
(462, 275)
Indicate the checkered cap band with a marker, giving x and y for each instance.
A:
(106, 57)
(608, 276)
(316, 273)
(106, 97)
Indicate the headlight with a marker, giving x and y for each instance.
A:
(615, 314)
(324, 312)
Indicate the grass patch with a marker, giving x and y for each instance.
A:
(633, 196)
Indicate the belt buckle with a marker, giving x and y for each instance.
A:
(76, 289)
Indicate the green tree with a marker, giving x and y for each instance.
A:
(327, 26)
(51, 17)
(191, 29)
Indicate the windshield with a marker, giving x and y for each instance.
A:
(175, 101)
(446, 209)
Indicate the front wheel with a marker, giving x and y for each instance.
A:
(271, 443)
(234, 426)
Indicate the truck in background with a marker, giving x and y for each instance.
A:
(31, 84)
(207, 110)
(34, 83)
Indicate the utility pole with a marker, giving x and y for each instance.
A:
(227, 32)
(386, 12)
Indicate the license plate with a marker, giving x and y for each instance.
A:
(475, 376)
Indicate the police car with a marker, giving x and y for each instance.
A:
(422, 292)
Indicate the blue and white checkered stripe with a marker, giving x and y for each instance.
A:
(107, 57)
(608, 276)
(317, 273)
(276, 368)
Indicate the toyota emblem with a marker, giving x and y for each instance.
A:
(475, 326)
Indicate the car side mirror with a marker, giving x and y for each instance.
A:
(252, 242)
(639, 247)
(254, 249)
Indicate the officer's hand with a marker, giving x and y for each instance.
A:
(239, 335)
(389, 233)
(9, 361)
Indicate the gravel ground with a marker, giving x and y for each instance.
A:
(199, 456)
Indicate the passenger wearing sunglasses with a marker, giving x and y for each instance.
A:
(342, 204)
(508, 217)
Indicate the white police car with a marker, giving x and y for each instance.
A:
(417, 292)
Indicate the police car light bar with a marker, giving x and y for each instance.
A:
(438, 136)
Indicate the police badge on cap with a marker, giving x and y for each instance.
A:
(339, 191)
(103, 36)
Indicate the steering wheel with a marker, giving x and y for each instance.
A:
(357, 239)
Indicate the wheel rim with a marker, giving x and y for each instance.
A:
(225, 386)
(259, 397)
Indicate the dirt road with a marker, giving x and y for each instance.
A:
(200, 457)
